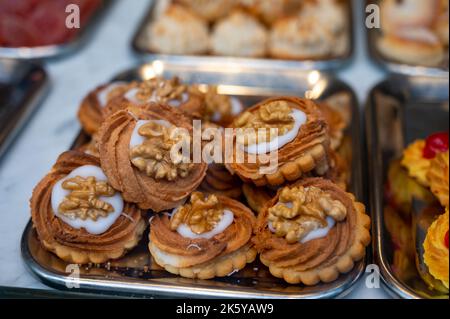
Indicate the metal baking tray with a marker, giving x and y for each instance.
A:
(23, 86)
(398, 67)
(400, 110)
(136, 274)
(59, 50)
(236, 62)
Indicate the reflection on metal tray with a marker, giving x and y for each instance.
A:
(401, 110)
(399, 67)
(22, 86)
(236, 62)
(137, 274)
(57, 50)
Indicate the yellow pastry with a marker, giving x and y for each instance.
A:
(438, 175)
(436, 249)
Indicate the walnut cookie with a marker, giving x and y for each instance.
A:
(80, 217)
(159, 90)
(209, 236)
(135, 147)
(311, 232)
(90, 112)
(302, 140)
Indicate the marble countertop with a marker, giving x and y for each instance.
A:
(54, 126)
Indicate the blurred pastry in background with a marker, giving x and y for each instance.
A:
(210, 9)
(436, 255)
(91, 108)
(438, 176)
(408, 14)
(239, 34)
(178, 31)
(257, 197)
(317, 31)
(270, 11)
(414, 31)
(336, 124)
(413, 46)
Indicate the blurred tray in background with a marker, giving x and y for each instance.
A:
(58, 50)
(141, 47)
(23, 86)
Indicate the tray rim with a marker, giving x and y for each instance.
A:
(145, 288)
(256, 63)
(393, 285)
(63, 49)
(398, 67)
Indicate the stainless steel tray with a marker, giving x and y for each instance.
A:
(398, 67)
(136, 274)
(59, 50)
(400, 110)
(23, 85)
(237, 62)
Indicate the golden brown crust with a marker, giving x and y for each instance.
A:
(90, 113)
(78, 246)
(219, 181)
(321, 259)
(136, 186)
(306, 153)
(186, 253)
(257, 197)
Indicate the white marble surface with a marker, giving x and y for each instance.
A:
(54, 126)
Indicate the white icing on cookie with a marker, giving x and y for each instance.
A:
(137, 139)
(93, 227)
(319, 232)
(300, 118)
(226, 220)
(102, 96)
(315, 234)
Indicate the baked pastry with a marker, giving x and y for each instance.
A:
(271, 11)
(441, 25)
(218, 108)
(436, 249)
(91, 147)
(438, 175)
(178, 31)
(209, 236)
(142, 151)
(339, 172)
(318, 31)
(407, 14)
(210, 10)
(257, 197)
(168, 91)
(90, 112)
(289, 132)
(418, 46)
(418, 155)
(336, 124)
(219, 181)
(250, 40)
(401, 190)
(311, 232)
(79, 216)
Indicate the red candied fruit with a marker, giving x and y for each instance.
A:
(435, 144)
